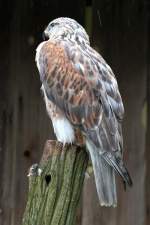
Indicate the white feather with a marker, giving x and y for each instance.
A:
(63, 130)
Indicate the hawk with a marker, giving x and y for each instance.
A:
(83, 101)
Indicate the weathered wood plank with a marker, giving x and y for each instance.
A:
(121, 38)
(24, 125)
(147, 122)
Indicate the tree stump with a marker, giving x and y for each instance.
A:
(55, 185)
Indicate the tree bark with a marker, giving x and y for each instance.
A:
(55, 185)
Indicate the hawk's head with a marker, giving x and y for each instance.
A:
(65, 28)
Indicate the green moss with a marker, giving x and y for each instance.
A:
(54, 194)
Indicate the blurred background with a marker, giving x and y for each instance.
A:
(120, 31)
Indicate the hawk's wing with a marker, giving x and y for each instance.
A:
(82, 85)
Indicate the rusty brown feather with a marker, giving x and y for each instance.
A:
(78, 81)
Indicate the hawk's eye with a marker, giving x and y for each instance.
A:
(54, 24)
(45, 36)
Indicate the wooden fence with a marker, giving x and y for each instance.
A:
(120, 31)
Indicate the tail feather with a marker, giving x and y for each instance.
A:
(104, 177)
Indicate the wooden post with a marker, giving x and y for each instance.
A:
(55, 185)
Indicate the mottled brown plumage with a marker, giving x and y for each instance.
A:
(69, 87)
(82, 94)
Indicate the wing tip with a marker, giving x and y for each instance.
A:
(127, 178)
(119, 167)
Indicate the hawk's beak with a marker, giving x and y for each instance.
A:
(45, 37)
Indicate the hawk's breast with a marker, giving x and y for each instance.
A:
(63, 129)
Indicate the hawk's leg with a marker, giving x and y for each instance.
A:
(79, 137)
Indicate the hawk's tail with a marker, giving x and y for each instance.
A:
(104, 177)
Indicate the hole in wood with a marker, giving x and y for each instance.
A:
(78, 148)
(48, 179)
